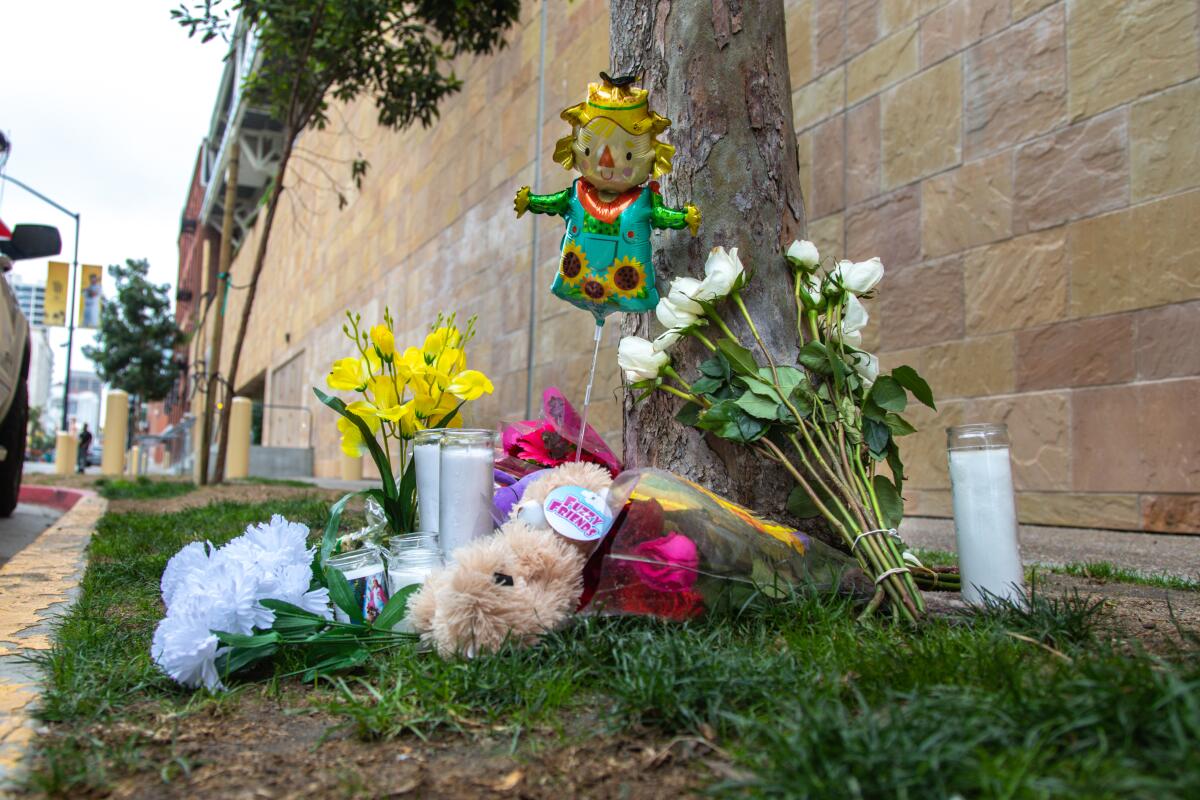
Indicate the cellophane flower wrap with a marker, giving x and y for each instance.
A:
(534, 444)
(678, 550)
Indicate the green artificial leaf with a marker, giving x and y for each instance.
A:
(378, 455)
(239, 657)
(799, 504)
(706, 385)
(330, 537)
(907, 377)
(342, 594)
(876, 435)
(247, 640)
(336, 663)
(888, 394)
(716, 367)
(889, 501)
(396, 608)
(814, 356)
(899, 425)
(760, 407)
(689, 415)
(741, 359)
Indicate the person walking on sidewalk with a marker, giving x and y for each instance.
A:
(85, 443)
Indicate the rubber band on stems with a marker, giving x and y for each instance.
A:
(892, 571)
(889, 531)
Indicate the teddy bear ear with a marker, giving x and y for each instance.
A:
(531, 513)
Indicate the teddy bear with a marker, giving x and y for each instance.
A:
(518, 583)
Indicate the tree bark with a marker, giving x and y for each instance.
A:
(718, 70)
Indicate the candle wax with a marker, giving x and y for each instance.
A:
(427, 458)
(466, 496)
(985, 523)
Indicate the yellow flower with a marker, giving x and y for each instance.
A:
(573, 264)
(470, 384)
(439, 339)
(352, 442)
(352, 374)
(627, 278)
(385, 342)
(386, 403)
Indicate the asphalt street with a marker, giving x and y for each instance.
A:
(23, 527)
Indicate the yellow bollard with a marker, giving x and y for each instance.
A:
(135, 461)
(64, 453)
(237, 463)
(116, 426)
(352, 468)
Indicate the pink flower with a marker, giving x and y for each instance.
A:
(675, 562)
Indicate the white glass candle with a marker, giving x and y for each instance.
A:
(410, 559)
(427, 460)
(985, 517)
(465, 502)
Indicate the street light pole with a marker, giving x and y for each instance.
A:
(72, 288)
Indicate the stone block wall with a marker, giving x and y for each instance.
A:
(1029, 171)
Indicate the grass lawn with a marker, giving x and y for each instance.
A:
(785, 698)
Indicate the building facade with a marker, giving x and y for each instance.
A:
(1027, 170)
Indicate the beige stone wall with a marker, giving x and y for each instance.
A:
(1028, 170)
(1030, 173)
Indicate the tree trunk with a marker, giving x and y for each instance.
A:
(260, 257)
(718, 70)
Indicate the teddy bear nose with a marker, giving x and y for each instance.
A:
(606, 159)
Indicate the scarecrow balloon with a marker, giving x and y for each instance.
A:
(606, 263)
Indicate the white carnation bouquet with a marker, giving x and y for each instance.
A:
(231, 606)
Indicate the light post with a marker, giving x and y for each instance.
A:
(72, 288)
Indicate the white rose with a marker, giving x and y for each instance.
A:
(723, 272)
(859, 277)
(638, 358)
(683, 294)
(803, 253)
(855, 317)
(675, 316)
(867, 366)
(667, 340)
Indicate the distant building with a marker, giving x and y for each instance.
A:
(83, 403)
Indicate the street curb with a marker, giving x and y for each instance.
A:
(38, 585)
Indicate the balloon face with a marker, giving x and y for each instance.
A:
(612, 159)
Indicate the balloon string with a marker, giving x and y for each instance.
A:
(587, 395)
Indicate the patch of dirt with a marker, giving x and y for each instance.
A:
(1149, 615)
(267, 749)
(228, 492)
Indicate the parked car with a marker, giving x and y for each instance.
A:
(23, 241)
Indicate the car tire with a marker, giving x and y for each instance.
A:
(12, 437)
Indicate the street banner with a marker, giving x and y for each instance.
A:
(91, 295)
(55, 301)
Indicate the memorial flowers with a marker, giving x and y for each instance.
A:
(399, 393)
(831, 419)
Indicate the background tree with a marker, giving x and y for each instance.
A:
(719, 70)
(137, 336)
(398, 52)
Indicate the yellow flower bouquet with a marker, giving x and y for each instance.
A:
(400, 393)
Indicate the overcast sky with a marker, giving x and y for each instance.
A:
(105, 105)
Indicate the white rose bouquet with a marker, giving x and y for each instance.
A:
(831, 419)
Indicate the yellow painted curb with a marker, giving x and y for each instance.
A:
(36, 585)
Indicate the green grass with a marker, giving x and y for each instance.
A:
(1096, 570)
(276, 482)
(142, 488)
(807, 701)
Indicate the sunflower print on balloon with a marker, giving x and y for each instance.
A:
(607, 263)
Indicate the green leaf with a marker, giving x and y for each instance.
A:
(899, 425)
(896, 465)
(381, 459)
(396, 608)
(889, 394)
(728, 421)
(342, 594)
(799, 504)
(689, 415)
(741, 359)
(889, 501)
(876, 435)
(759, 407)
(330, 537)
(706, 385)
(814, 356)
(336, 663)
(907, 377)
(239, 657)
(247, 640)
(716, 367)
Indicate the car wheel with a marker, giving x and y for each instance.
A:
(12, 438)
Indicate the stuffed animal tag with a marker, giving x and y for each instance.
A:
(577, 513)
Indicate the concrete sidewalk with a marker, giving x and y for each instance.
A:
(1040, 544)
